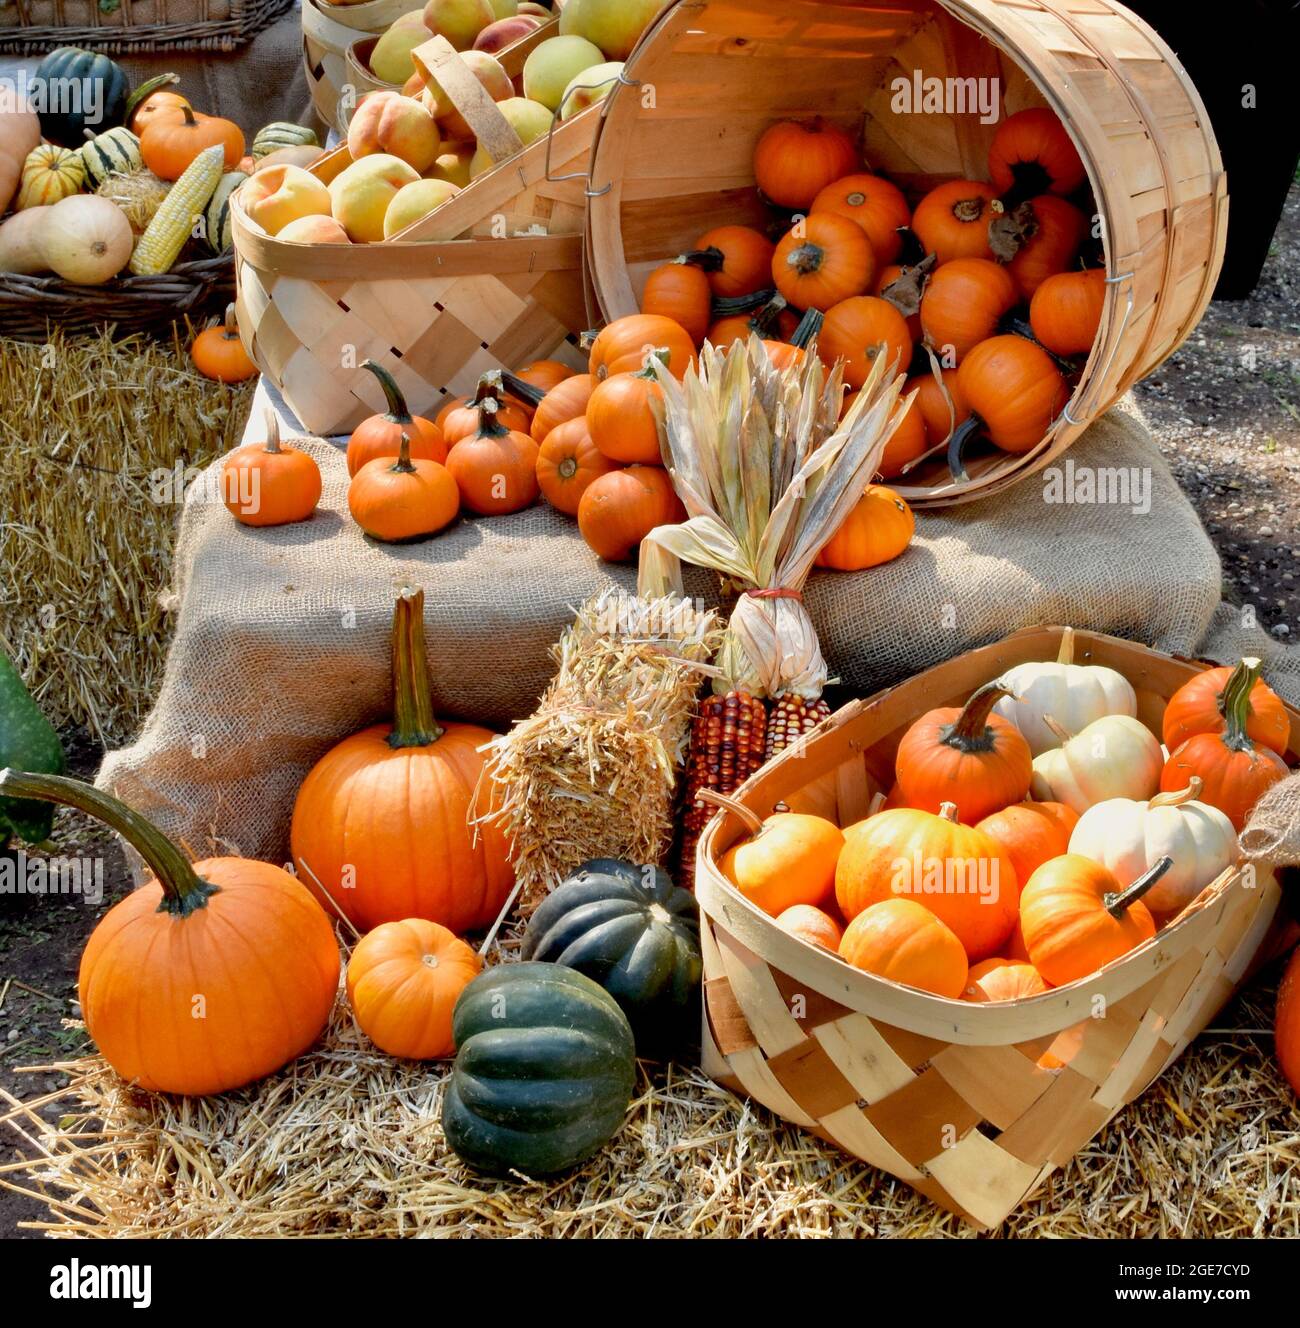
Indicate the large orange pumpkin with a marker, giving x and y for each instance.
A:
(824, 260)
(876, 531)
(963, 302)
(902, 941)
(965, 755)
(952, 220)
(620, 509)
(568, 463)
(1200, 706)
(959, 874)
(857, 329)
(385, 826)
(622, 346)
(209, 976)
(875, 204)
(795, 160)
(1031, 833)
(381, 435)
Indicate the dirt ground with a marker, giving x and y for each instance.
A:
(1226, 412)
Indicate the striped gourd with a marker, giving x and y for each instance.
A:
(174, 222)
(281, 134)
(50, 173)
(115, 150)
(216, 217)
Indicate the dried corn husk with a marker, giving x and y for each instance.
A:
(768, 472)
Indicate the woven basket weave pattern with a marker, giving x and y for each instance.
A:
(31, 27)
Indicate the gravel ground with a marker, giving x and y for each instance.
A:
(1226, 412)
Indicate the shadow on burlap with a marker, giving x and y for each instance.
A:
(281, 645)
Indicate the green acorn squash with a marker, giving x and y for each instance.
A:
(27, 742)
(631, 930)
(544, 1070)
(76, 90)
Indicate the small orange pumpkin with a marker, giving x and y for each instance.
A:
(1031, 833)
(404, 979)
(270, 484)
(857, 329)
(824, 260)
(1286, 1026)
(736, 259)
(218, 352)
(875, 204)
(381, 435)
(1002, 980)
(622, 346)
(1200, 706)
(876, 531)
(941, 403)
(1052, 232)
(1031, 153)
(495, 468)
(168, 146)
(907, 444)
(157, 107)
(621, 418)
(460, 418)
(812, 925)
(679, 290)
(902, 941)
(395, 499)
(952, 220)
(788, 859)
(620, 509)
(568, 463)
(565, 401)
(542, 376)
(1066, 310)
(963, 303)
(796, 159)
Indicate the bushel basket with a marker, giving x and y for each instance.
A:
(948, 1095)
(669, 167)
(134, 27)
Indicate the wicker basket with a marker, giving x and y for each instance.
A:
(666, 169)
(948, 1095)
(31, 306)
(443, 303)
(134, 27)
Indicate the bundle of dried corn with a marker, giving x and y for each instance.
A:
(593, 772)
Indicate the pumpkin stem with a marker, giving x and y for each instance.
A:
(183, 889)
(397, 408)
(1119, 904)
(807, 259)
(967, 210)
(414, 724)
(404, 466)
(230, 328)
(1059, 730)
(272, 431)
(948, 812)
(517, 387)
(732, 306)
(753, 822)
(647, 371)
(971, 731)
(487, 401)
(1236, 705)
(190, 121)
(711, 259)
(906, 289)
(810, 326)
(962, 435)
(1177, 799)
(1066, 653)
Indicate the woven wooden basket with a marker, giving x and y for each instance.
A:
(32, 27)
(948, 1095)
(664, 169)
(444, 302)
(327, 32)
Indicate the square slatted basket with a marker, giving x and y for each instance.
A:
(947, 1095)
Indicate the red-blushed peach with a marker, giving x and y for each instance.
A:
(275, 197)
(387, 122)
(314, 230)
(489, 71)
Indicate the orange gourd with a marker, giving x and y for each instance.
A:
(788, 859)
(270, 483)
(620, 509)
(1032, 153)
(855, 331)
(1286, 1025)
(952, 220)
(812, 925)
(959, 874)
(1235, 771)
(680, 291)
(1076, 917)
(566, 401)
(1050, 232)
(396, 499)
(965, 755)
(1066, 310)
(622, 346)
(1200, 706)
(218, 353)
(1014, 393)
(876, 531)
(823, 261)
(460, 419)
(621, 418)
(875, 204)
(404, 979)
(385, 826)
(736, 259)
(495, 468)
(795, 160)
(167, 145)
(381, 435)
(568, 463)
(1031, 833)
(902, 941)
(208, 976)
(963, 304)
(1002, 980)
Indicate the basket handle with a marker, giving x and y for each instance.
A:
(438, 59)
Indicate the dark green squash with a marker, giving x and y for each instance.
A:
(27, 742)
(544, 1070)
(631, 930)
(60, 98)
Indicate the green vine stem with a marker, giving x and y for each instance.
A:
(398, 411)
(516, 386)
(970, 731)
(414, 724)
(810, 326)
(183, 889)
(1236, 705)
(1119, 904)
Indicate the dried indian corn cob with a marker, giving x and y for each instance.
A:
(727, 743)
(791, 718)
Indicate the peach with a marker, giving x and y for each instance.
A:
(314, 230)
(589, 88)
(614, 25)
(413, 85)
(454, 166)
(275, 197)
(505, 32)
(528, 119)
(361, 194)
(489, 71)
(413, 201)
(505, 8)
(553, 65)
(460, 21)
(388, 122)
(391, 61)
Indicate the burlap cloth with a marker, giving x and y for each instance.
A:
(281, 645)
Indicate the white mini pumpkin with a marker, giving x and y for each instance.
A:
(1113, 757)
(1128, 837)
(1073, 694)
(87, 240)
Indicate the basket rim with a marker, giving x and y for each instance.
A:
(910, 1008)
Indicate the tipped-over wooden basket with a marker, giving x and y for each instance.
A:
(949, 1095)
(490, 280)
(668, 167)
